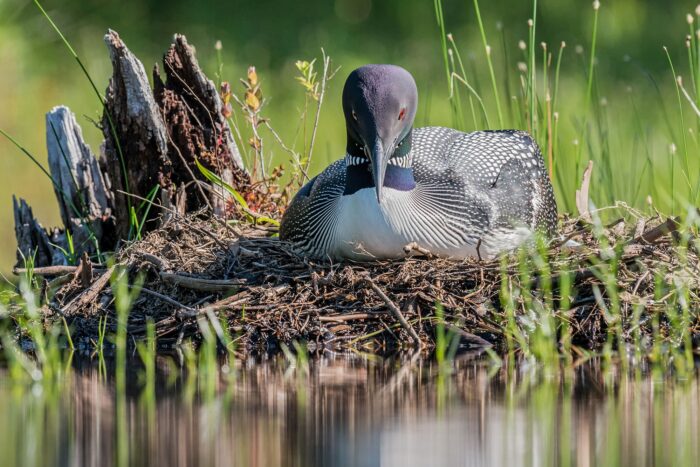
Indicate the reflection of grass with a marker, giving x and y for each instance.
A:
(446, 341)
(147, 353)
(124, 296)
(299, 359)
(520, 414)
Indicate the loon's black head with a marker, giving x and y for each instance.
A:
(380, 103)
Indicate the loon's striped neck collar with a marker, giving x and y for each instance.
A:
(398, 175)
(356, 149)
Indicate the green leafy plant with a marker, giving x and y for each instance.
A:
(251, 215)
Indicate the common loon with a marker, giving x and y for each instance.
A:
(454, 194)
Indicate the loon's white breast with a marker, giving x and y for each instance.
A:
(367, 229)
(362, 230)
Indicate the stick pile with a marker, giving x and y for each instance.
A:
(198, 268)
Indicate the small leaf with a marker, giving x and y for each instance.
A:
(266, 220)
(225, 88)
(302, 65)
(252, 101)
(252, 76)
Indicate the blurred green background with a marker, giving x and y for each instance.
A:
(633, 120)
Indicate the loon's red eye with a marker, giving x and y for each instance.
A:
(402, 114)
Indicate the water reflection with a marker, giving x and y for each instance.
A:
(351, 410)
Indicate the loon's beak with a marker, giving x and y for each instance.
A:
(379, 161)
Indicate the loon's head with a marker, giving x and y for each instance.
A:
(380, 103)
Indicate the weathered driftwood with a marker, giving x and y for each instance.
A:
(83, 198)
(90, 294)
(80, 187)
(82, 194)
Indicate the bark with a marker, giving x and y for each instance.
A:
(33, 244)
(192, 110)
(135, 151)
(154, 137)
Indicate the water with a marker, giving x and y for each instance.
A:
(352, 410)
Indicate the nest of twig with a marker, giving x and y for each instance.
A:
(198, 269)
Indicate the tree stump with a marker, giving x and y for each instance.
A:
(82, 194)
(135, 150)
(192, 109)
(147, 171)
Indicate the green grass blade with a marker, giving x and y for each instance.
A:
(492, 74)
(99, 95)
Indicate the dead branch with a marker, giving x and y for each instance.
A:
(394, 309)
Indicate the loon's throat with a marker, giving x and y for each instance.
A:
(398, 174)
(360, 176)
